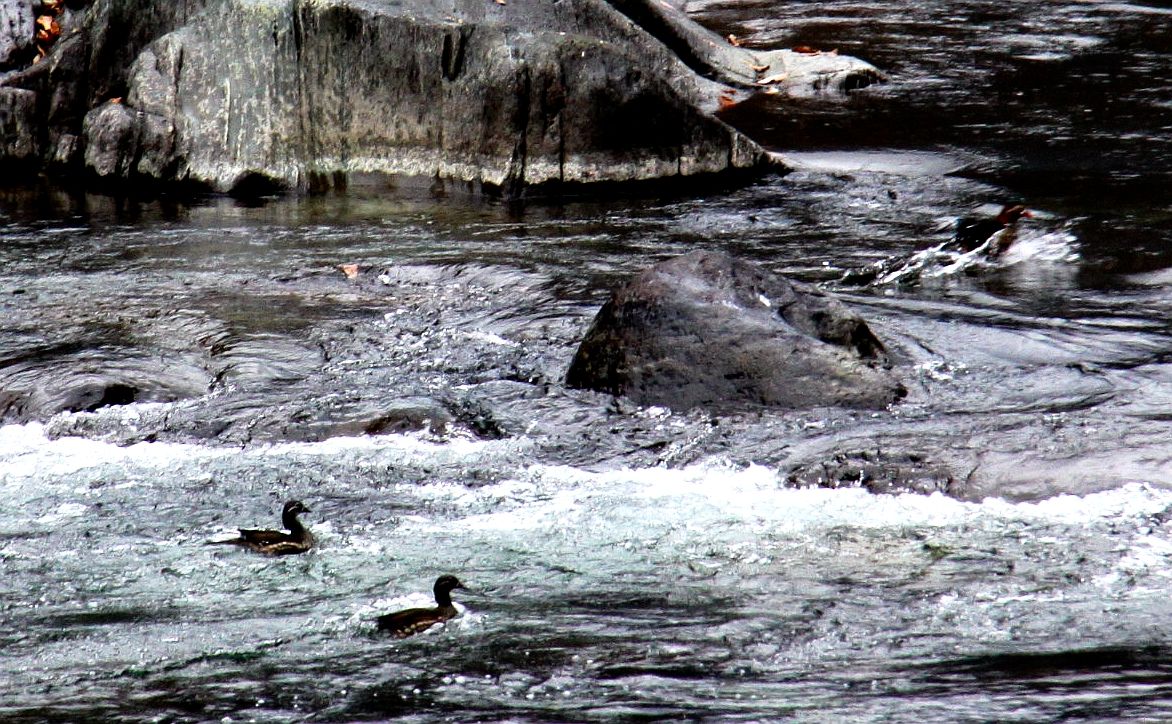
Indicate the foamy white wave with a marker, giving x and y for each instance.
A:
(550, 495)
(546, 496)
(490, 338)
(1054, 247)
(27, 452)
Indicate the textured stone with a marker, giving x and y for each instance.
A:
(707, 330)
(16, 31)
(506, 97)
(780, 71)
(265, 95)
(18, 125)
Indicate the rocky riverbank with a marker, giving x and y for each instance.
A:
(290, 95)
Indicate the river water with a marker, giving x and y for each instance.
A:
(995, 548)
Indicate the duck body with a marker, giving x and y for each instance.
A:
(411, 621)
(276, 542)
(971, 233)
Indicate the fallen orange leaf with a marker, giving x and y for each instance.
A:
(351, 270)
(116, 100)
(806, 50)
(726, 101)
(47, 29)
(758, 68)
(734, 40)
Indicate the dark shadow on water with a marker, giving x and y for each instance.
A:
(1148, 665)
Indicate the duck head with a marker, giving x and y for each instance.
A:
(443, 589)
(292, 509)
(447, 584)
(295, 507)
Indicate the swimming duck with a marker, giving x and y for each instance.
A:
(972, 233)
(275, 542)
(413, 620)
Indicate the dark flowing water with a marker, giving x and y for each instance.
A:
(995, 548)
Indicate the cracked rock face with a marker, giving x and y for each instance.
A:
(261, 96)
(707, 330)
(296, 93)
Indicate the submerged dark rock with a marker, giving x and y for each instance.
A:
(705, 329)
(262, 97)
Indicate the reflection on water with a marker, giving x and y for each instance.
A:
(627, 563)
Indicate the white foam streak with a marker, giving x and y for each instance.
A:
(540, 496)
(550, 496)
(26, 452)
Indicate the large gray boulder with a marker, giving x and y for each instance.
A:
(267, 95)
(287, 94)
(705, 329)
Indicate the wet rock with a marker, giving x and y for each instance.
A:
(117, 31)
(774, 71)
(18, 126)
(296, 93)
(367, 417)
(85, 68)
(36, 389)
(705, 329)
(878, 472)
(16, 31)
(96, 395)
(121, 142)
(262, 96)
(111, 134)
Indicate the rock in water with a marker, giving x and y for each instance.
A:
(278, 94)
(261, 96)
(705, 329)
(295, 95)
